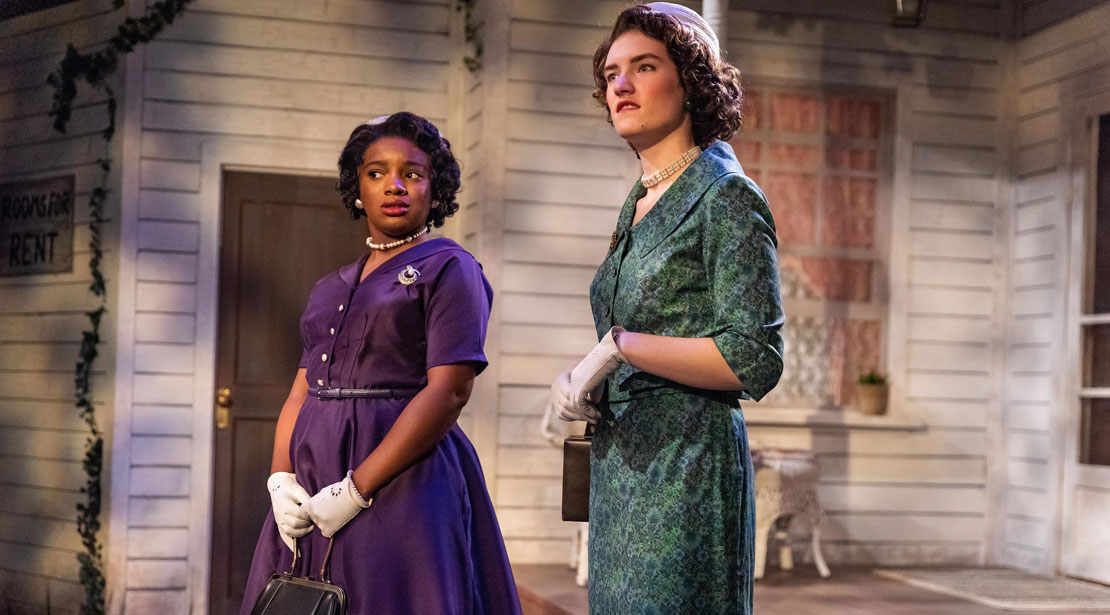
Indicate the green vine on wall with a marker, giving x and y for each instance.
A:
(472, 35)
(94, 69)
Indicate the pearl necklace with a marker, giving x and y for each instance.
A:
(650, 180)
(394, 244)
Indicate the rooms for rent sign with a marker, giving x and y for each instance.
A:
(36, 226)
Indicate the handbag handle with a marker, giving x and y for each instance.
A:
(327, 558)
(323, 567)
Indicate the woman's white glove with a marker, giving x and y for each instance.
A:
(562, 405)
(576, 394)
(335, 505)
(286, 498)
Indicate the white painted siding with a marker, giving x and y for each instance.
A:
(893, 497)
(1055, 67)
(566, 174)
(1037, 15)
(42, 316)
(974, 16)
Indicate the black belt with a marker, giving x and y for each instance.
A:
(337, 393)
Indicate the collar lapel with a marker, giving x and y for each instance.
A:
(350, 273)
(672, 208)
(604, 287)
(624, 220)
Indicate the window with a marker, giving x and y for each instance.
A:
(1094, 322)
(821, 158)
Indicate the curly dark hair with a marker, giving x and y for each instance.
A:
(711, 86)
(444, 179)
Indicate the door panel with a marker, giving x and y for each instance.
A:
(280, 234)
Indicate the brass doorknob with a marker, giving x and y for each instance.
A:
(223, 408)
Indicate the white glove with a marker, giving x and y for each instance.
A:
(566, 409)
(286, 498)
(587, 378)
(335, 505)
(574, 395)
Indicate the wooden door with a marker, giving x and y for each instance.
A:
(280, 234)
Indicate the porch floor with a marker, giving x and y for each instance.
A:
(550, 590)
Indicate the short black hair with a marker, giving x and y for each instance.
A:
(445, 174)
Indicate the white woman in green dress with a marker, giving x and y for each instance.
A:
(688, 311)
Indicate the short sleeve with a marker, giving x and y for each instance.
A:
(457, 315)
(741, 261)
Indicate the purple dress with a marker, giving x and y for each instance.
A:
(430, 543)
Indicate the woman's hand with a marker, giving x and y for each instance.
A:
(335, 505)
(563, 404)
(286, 498)
(575, 394)
(589, 376)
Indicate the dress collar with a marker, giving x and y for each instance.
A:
(676, 202)
(350, 273)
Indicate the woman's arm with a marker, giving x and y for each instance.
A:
(421, 425)
(286, 420)
(695, 362)
(745, 312)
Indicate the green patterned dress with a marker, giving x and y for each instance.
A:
(672, 510)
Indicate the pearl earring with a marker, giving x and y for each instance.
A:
(358, 203)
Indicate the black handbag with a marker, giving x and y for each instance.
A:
(288, 594)
(576, 476)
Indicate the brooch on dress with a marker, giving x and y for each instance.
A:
(408, 276)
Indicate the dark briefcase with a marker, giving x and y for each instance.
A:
(576, 476)
(287, 594)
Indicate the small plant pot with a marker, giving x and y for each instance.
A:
(871, 398)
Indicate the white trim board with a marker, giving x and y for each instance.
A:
(1079, 147)
(119, 491)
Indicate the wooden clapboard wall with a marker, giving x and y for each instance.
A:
(1054, 67)
(42, 316)
(893, 496)
(1037, 15)
(972, 16)
(285, 75)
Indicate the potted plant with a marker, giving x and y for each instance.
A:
(871, 393)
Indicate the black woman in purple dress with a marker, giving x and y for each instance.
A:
(367, 449)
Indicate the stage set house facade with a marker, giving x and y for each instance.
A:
(942, 195)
